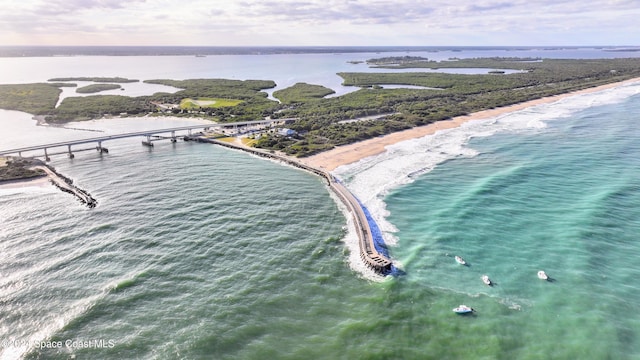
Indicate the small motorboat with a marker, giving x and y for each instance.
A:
(460, 260)
(542, 275)
(486, 280)
(463, 309)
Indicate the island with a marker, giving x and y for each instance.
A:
(96, 88)
(97, 79)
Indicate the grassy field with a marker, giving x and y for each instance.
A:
(245, 141)
(191, 104)
(226, 139)
(248, 141)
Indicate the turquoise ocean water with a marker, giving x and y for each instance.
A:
(199, 252)
(520, 195)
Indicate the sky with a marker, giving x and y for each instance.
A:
(320, 22)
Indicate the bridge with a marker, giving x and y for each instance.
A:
(150, 135)
(370, 256)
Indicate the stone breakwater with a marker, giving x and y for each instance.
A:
(370, 256)
(66, 184)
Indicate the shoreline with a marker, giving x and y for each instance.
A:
(324, 163)
(35, 181)
(371, 257)
(50, 176)
(347, 154)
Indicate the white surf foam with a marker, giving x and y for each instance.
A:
(372, 178)
(353, 246)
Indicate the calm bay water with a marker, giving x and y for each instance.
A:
(200, 252)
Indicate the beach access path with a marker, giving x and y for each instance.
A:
(346, 154)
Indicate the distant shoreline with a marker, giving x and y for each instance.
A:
(203, 51)
(347, 154)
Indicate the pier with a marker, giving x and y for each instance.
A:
(368, 253)
(66, 185)
(370, 256)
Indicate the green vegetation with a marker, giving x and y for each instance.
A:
(397, 60)
(96, 79)
(250, 102)
(254, 105)
(17, 168)
(37, 99)
(94, 88)
(409, 62)
(217, 88)
(319, 121)
(63, 84)
(95, 106)
(201, 103)
(302, 92)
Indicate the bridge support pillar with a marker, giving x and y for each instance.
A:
(70, 154)
(148, 142)
(101, 149)
(46, 156)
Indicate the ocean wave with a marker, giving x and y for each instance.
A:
(372, 178)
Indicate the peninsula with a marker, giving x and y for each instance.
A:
(16, 170)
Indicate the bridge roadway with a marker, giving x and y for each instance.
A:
(147, 133)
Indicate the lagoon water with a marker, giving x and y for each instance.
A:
(196, 251)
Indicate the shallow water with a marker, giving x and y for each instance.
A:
(196, 251)
(559, 195)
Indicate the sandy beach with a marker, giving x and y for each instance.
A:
(347, 154)
(40, 181)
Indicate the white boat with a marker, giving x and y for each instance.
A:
(463, 309)
(543, 275)
(460, 260)
(486, 280)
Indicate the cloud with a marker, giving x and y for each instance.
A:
(321, 22)
(69, 7)
(377, 12)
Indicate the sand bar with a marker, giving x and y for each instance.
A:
(347, 154)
